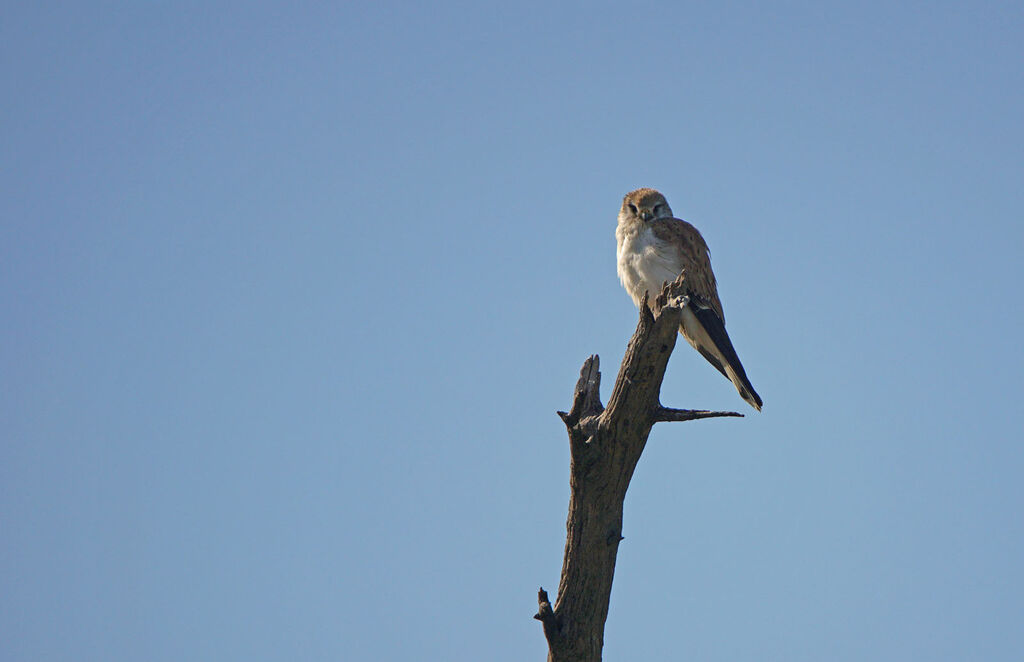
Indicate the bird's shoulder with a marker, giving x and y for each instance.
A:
(679, 232)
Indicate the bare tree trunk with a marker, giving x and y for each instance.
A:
(605, 446)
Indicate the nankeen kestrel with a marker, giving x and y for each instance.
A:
(654, 248)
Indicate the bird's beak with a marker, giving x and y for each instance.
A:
(646, 214)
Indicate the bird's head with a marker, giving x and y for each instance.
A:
(644, 205)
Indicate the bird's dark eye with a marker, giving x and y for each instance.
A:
(632, 207)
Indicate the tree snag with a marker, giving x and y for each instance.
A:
(605, 445)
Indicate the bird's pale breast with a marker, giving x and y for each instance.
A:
(645, 263)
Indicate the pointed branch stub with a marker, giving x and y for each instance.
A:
(586, 398)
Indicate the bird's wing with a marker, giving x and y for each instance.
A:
(693, 253)
(703, 323)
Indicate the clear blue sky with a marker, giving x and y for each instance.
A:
(289, 297)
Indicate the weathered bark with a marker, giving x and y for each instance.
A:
(605, 446)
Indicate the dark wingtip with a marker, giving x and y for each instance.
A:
(715, 329)
(751, 396)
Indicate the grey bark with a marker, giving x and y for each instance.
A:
(605, 445)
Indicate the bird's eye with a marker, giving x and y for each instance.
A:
(632, 208)
(657, 207)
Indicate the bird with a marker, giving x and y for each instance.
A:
(654, 247)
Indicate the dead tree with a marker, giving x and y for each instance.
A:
(605, 445)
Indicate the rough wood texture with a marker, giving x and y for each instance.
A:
(605, 446)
